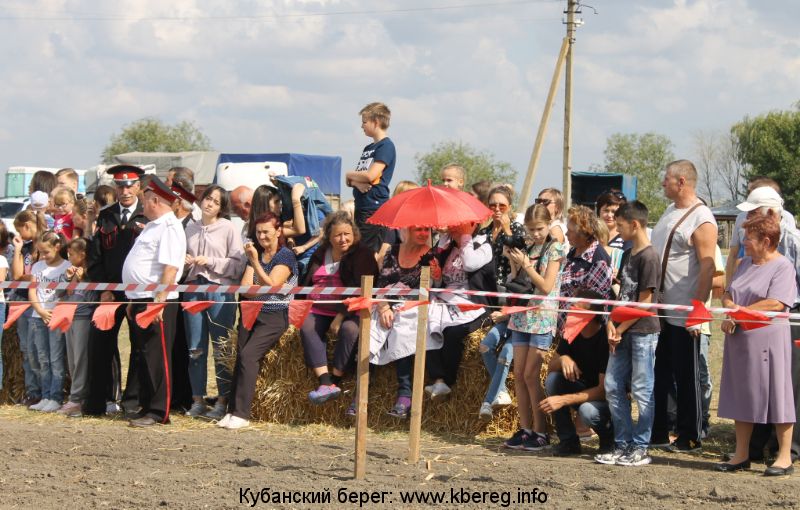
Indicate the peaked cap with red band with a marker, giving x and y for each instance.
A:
(125, 175)
(183, 193)
(158, 187)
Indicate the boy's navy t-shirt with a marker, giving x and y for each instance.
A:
(590, 354)
(384, 152)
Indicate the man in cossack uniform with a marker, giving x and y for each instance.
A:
(157, 257)
(118, 226)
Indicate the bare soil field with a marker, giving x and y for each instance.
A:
(54, 462)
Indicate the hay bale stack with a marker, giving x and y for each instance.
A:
(13, 377)
(284, 383)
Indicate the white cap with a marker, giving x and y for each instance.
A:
(765, 196)
(39, 200)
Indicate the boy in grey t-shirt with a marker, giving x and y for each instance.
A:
(632, 343)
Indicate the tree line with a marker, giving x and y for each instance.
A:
(767, 144)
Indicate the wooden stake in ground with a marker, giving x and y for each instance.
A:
(419, 368)
(537, 146)
(362, 378)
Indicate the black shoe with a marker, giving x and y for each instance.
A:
(778, 471)
(143, 422)
(567, 448)
(727, 467)
(30, 401)
(147, 421)
(685, 446)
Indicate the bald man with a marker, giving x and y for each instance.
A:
(241, 200)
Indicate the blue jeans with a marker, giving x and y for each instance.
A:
(705, 379)
(30, 364)
(216, 321)
(594, 414)
(497, 363)
(50, 351)
(633, 362)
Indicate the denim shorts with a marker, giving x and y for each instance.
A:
(541, 341)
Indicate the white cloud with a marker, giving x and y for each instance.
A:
(297, 83)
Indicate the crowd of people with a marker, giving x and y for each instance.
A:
(147, 231)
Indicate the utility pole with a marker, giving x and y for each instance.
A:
(572, 24)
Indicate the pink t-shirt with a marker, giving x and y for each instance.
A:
(326, 275)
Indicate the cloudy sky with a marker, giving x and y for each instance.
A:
(291, 75)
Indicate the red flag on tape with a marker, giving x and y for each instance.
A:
(298, 311)
(468, 307)
(508, 310)
(103, 316)
(743, 316)
(250, 310)
(698, 315)
(145, 318)
(626, 313)
(576, 321)
(15, 310)
(357, 303)
(797, 343)
(195, 307)
(61, 316)
(413, 304)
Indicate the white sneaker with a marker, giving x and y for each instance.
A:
(235, 423)
(51, 406)
(223, 423)
(113, 408)
(485, 413)
(438, 391)
(38, 406)
(502, 399)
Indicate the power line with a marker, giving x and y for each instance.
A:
(266, 17)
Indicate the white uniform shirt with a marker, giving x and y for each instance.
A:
(161, 243)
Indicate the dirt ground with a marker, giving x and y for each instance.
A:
(54, 462)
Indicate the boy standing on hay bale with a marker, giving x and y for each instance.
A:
(576, 380)
(370, 180)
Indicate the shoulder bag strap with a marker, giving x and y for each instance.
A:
(665, 256)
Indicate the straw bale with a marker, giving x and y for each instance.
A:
(284, 382)
(13, 376)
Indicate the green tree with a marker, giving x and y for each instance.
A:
(769, 145)
(480, 165)
(152, 135)
(642, 155)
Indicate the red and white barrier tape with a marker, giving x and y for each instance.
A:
(224, 289)
(355, 291)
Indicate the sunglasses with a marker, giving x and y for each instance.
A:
(501, 207)
(615, 193)
(542, 201)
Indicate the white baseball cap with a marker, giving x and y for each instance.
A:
(765, 196)
(39, 200)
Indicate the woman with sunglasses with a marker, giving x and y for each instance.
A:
(553, 199)
(503, 231)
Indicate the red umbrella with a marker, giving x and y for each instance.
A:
(430, 206)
